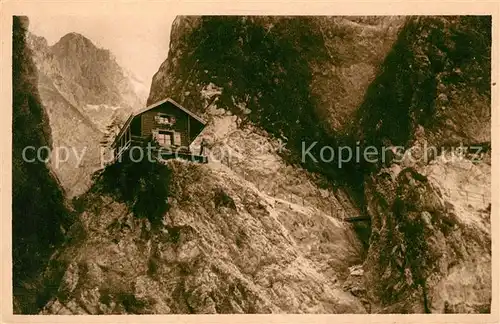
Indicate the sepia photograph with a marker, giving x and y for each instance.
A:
(251, 164)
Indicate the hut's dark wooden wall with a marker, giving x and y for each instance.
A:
(148, 123)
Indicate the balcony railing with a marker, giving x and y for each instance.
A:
(163, 152)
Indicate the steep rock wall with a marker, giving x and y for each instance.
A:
(39, 213)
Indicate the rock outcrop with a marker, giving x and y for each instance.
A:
(430, 249)
(250, 236)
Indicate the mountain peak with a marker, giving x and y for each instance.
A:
(74, 38)
(74, 35)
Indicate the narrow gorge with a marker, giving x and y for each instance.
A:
(262, 227)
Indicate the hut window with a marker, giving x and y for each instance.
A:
(164, 119)
(164, 138)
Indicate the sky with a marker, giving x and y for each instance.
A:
(139, 45)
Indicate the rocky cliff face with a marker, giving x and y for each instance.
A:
(430, 249)
(224, 246)
(39, 213)
(256, 230)
(437, 78)
(250, 234)
(341, 53)
(430, 210)
(416, 82)
(84, 91)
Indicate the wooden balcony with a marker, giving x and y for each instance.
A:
(163, 153)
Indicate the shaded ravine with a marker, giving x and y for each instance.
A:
(39, 212)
